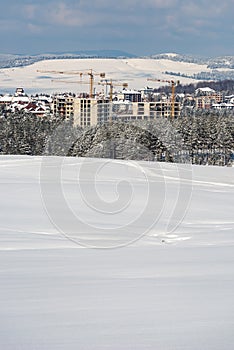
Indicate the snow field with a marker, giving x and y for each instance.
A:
(172, 288)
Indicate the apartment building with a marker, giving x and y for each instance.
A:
(91, 111)
(205, 98)
(63, 105)
(127, 111)
(204, 102)
(130, 95)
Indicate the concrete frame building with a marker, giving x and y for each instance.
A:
(63, 105)
(144, 110)
(88, 112)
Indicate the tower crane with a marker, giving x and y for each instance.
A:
(173, 84)
(111, 84)
(70, 81)
(90, 73)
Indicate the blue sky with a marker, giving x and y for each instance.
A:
(142, 27)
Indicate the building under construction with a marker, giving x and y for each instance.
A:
(88, 111)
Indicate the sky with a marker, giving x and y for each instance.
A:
(141, 27)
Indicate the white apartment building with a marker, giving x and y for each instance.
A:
(127, 111)
(205, 98)
(89, 111)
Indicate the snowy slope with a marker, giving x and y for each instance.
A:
(133, 71)
(166, 283)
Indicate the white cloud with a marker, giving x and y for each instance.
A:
(30, 10)
(111, 12)
(160, 3)
(66, 15)
(133, 4)
(205, 8)
(35, 29)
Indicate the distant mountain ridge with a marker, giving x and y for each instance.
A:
(96, 54)
(18, 60)
(211, 62)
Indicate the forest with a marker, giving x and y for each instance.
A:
(226, 86)
(206, 138)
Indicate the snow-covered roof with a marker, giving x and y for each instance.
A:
(131, 92)
(20, 99)
(223, 105)
(205, 89)
(170, 54)
(44, 98)
(121, 102)
(6, 98)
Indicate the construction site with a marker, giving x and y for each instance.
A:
(109, 100)
(88, 98)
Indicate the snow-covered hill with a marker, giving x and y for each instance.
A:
(133, 71)
(19, 70)
(168, 285)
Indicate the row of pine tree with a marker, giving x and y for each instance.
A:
(202, 139)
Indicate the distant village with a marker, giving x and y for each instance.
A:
(123, 105)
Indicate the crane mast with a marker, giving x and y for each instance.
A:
(173, 84)
(112, 85)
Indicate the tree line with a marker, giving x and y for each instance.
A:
(226, 86)
(207, 138)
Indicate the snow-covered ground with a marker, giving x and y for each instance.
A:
(133, 71)
(159, 275)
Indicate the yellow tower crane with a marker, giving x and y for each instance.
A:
(90, 73)
(112, 85)
(70, 81)
(173, 84)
